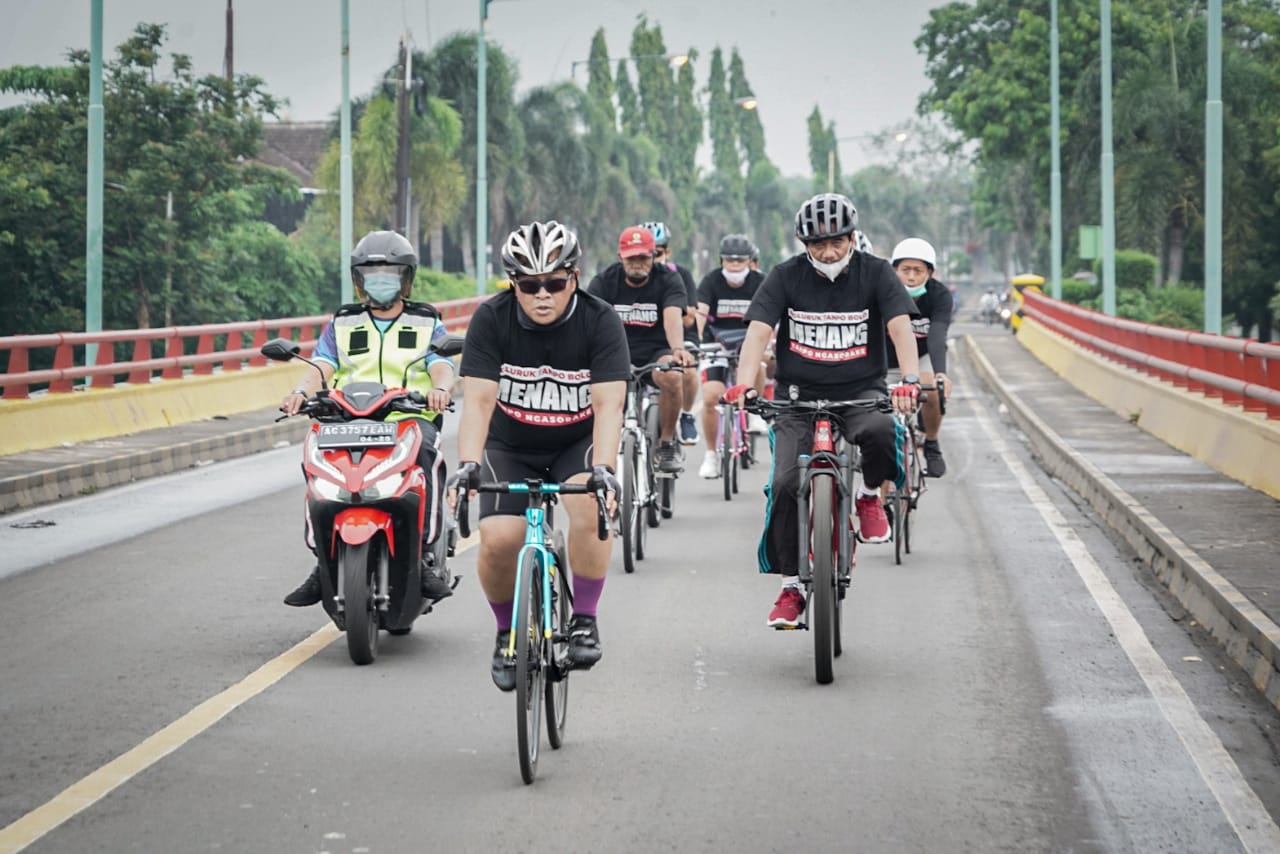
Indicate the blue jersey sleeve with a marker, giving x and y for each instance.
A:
(327, 347)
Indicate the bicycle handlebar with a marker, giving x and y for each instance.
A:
(771, 408)
(534, 487)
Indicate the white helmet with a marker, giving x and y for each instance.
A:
(917, 248)
(540, 247)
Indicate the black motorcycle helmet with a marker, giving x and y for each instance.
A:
(383, 249)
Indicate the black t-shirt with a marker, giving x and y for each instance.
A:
(641, 308)
(831, 335)
(930, 325)
(690, 332)
(544, 374)
(726, 304)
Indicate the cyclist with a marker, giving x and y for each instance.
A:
(544, 372)
(832, 305)
(689, 381)
(374, 341)
(723, 297)
(915, 260)
(651, 301)
(989, 305)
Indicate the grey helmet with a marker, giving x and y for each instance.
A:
(735, 246)
(384, 248)
(825, 216)
(540, 247)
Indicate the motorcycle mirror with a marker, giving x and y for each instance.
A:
(280, 350)
(450, 346)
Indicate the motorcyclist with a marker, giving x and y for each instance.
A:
(374, 340)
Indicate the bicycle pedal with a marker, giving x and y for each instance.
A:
(797, 627)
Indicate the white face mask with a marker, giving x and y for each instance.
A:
(831, 271)
(734, 278)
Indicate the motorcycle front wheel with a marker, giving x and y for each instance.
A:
(358, 574)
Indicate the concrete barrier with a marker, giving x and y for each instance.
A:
(1242, 445)
(82, 416)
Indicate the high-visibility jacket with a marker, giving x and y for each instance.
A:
(367, 355)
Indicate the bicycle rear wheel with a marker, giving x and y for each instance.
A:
(529, 670)
(629, 513)
(822, 492)
(557, 652)
(725, 451)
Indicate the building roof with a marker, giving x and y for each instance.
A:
(295, 146)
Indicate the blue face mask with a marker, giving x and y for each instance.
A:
(915, 292)
(382, 288)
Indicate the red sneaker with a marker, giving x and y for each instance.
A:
(787, 609)
(873, 525)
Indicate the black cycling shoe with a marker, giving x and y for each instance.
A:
(435, 585)
(584, 642)
(503, 669)
(667, 458)
(934, 464)
(308, 592)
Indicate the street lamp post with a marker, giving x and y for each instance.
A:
(482, 155)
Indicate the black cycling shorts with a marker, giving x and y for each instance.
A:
(502, 462)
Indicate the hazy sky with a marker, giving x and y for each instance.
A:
(854, 59)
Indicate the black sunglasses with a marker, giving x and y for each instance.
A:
(532, 286)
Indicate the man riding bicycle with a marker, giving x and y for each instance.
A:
(914, 260)
(688, 426)
(374, 341)
(832, 305)
(544, 372)
(650, 299)
(723, 297)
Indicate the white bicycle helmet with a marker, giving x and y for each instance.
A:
(917, 248)
(540, 247)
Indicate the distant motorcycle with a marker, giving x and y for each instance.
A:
(367, 500)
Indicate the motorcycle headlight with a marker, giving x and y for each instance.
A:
(327, 490)
(384, 488)
(399, 455)
(316, 458)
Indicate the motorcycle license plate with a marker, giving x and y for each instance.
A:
(357, 434)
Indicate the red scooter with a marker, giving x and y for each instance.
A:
(367, 503)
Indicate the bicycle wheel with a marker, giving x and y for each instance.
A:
(724, 449)
(629, 512)
(738, 455)
(644, 501)
(529, 671)
(657, 509)
(557, 685)
(823, 601)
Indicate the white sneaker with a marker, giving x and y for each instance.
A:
(710, 468)
(756, 424)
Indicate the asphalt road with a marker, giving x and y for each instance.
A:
(1013, 686)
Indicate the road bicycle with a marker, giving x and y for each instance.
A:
(541, 608)
(825, 501)
(641, 505)
(735, 444)
(900, 501)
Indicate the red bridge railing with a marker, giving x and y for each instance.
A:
(1239, 371)
(219, 344)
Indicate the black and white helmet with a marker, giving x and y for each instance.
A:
(735, 246)
(825, 216)
(540, 247)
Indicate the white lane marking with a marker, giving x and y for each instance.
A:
(1249, 819)
(94, 787)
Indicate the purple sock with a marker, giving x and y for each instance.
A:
(502, 611)
(586, 595)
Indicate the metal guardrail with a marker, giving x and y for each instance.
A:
(214, 344)
(1239, 371)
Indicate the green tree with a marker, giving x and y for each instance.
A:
(724, 128)
(168, 136)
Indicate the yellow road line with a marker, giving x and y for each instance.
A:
(83, 794)
(97, 785)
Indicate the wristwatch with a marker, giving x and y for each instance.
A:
(910, 379)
